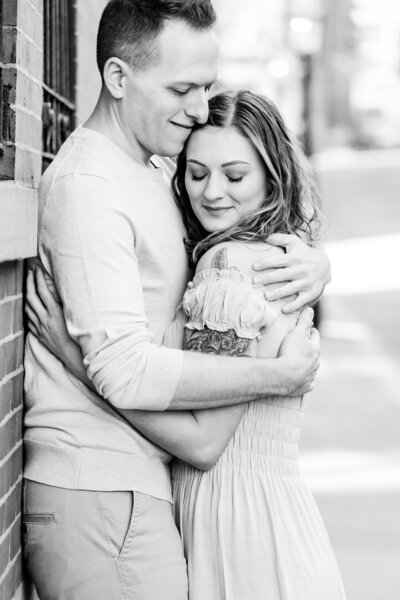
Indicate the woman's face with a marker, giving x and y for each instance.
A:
(225, 177)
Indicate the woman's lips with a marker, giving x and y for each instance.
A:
(217, 208)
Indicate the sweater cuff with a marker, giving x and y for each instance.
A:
(160, 380)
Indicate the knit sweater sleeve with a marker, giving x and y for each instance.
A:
(89, 245)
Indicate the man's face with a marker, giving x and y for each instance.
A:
(162, 102)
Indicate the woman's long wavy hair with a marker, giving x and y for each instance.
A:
(291, 203)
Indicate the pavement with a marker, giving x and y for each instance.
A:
(350, 446)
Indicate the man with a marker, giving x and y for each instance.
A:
(97, 514)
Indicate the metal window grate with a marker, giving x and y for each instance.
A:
(59, 75)
(1, 80)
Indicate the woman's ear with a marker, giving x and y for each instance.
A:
(114, 74)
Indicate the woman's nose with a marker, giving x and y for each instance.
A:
(214, 188)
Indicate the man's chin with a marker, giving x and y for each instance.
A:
(171, 151)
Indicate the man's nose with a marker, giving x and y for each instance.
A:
(214, 189)
(198, 107)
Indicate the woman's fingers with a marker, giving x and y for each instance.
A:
(32, 297)
(43, 290)
(33, 329)
(33, 320)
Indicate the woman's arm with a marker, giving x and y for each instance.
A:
(197, 437)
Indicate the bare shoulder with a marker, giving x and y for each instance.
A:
(238, 254)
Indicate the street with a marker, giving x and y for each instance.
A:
(350, 448)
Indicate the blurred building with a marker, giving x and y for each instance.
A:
(375, 85)
(333, 67)
(255, 53)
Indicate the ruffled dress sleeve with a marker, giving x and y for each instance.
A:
(223, 300)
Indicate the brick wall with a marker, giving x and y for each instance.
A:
(20, 169)
(11, 387)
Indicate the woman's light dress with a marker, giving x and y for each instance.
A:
(251, 529)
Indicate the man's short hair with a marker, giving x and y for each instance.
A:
(128, 28)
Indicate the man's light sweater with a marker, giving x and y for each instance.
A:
(112, 239)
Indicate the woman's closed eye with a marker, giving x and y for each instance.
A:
(198, 176)
(236, 179)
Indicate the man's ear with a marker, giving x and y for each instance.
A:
(114, 74)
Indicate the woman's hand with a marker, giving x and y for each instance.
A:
(302, 270)
(45, 315)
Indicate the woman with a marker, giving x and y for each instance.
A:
(250, 528)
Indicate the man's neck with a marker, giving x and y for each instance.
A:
(104, 120)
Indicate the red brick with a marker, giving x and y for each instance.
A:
(8, 279)
(4, 554)
(18, 425)
(15, 538)
(5, 475)
(11, 394)
(12, 508)
(10, 82)
(10, 13)
(11, 355)
(17, 390)
(16, 465)
(7, 163)
(2, 517)
(6, 396)
(12, 580)
(6, 318)
(18, 315)
(4, 440)
(11, 128)
(8, 436)
(10, 45)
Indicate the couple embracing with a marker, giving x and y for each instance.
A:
(129, 365)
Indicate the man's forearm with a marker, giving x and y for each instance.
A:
(210, 381)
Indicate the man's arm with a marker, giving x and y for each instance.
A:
(198, 437)
(96, 271)
(209, 381)
(302, 270)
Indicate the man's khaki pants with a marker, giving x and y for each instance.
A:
(85, 545)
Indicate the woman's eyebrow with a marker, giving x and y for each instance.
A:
(197, 162)
(235, 162)
(228, 164)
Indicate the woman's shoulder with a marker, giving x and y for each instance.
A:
(237, 254)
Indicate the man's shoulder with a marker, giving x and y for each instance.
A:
(78, 156)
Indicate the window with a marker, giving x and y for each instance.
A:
(58, 75)
(1, 79)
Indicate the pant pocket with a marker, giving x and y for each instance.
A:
(117, 510)
(38, 518)
(35, 525)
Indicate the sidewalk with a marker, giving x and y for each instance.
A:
(350, 451)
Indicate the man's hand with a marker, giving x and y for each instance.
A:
(301, 349)
(302, 270)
